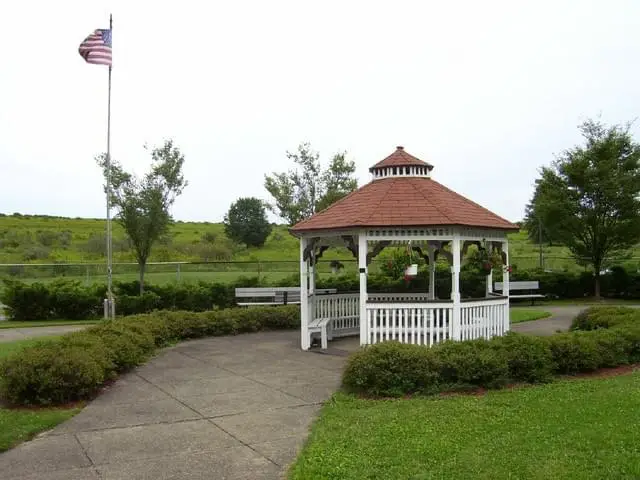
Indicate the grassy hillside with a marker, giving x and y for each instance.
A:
(41, 239)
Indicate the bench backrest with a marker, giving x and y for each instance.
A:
(262, 292)
(528, 285)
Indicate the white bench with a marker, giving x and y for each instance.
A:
(272, 295)
(322, 326)
(531, 286)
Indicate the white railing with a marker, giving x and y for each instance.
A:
(342, 309)
(483, 318)
(417, 323)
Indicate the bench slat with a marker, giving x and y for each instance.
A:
(525, 285)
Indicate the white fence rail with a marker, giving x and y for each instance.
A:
(407, 318)
(483, 319)
(417, 323)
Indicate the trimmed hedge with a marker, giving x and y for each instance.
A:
(610, 338)
(75, 366)
(71, 300)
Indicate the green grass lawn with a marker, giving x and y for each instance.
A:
(18, 425)
(582, 429)
(518, 314)
(8, 348)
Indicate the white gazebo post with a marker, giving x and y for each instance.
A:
(489, 283)
(305, 340)
(432, 272)
(455, 286)
(505, 284)
(362, 269)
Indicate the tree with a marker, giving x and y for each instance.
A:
(142, 204)
(536, 230)
(301, 192)
(246, 222)
(589, 197)
(337, 180)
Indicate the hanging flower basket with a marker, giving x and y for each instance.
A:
(487, 260)
(411, 270)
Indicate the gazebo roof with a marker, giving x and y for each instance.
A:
(402, 199)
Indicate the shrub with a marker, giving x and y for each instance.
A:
(132, 304)
(603, 317)
(53, 373)
(528, 358)
(26, 302)
(472, 363)
(75, 366)
(72, 301)
(129, 345)
(393, 369)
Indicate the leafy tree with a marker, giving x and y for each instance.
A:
(301, 192)
(142, 204)
(246, 222)
(589, 197)
(536, 230)
(337, 181)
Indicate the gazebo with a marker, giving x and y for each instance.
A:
(402, 205)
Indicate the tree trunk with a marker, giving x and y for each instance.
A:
(597, 285)
(142, 268)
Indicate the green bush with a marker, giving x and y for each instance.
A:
(611, 339)
(24, 301)
(75, 366)
(54, 373)
(575, 352)
(472, 363)
(604, 317)
(393, 369)
(132, 304)
(528, 358)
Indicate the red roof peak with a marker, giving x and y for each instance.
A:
(400, 158)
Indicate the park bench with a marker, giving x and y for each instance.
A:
(529, 286)
(272, 295)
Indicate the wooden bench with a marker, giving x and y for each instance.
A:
(531, 286)
(272, 295)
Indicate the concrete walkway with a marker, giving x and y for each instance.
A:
(216, 408)
(14, 334)
(561, 318)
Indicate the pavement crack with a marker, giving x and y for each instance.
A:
(84, 451)
(242, 442)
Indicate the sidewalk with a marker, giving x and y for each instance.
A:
(225, 408)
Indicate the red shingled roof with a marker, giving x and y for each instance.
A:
(401, 158)
(403, 202)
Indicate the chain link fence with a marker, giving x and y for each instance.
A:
(162, 272)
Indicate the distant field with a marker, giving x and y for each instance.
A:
(37, 240)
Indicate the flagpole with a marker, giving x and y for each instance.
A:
(110, 302)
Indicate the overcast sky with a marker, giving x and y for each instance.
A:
(485, 91)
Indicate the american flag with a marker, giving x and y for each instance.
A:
(96, 48)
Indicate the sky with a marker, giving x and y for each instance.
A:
(487, 92)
